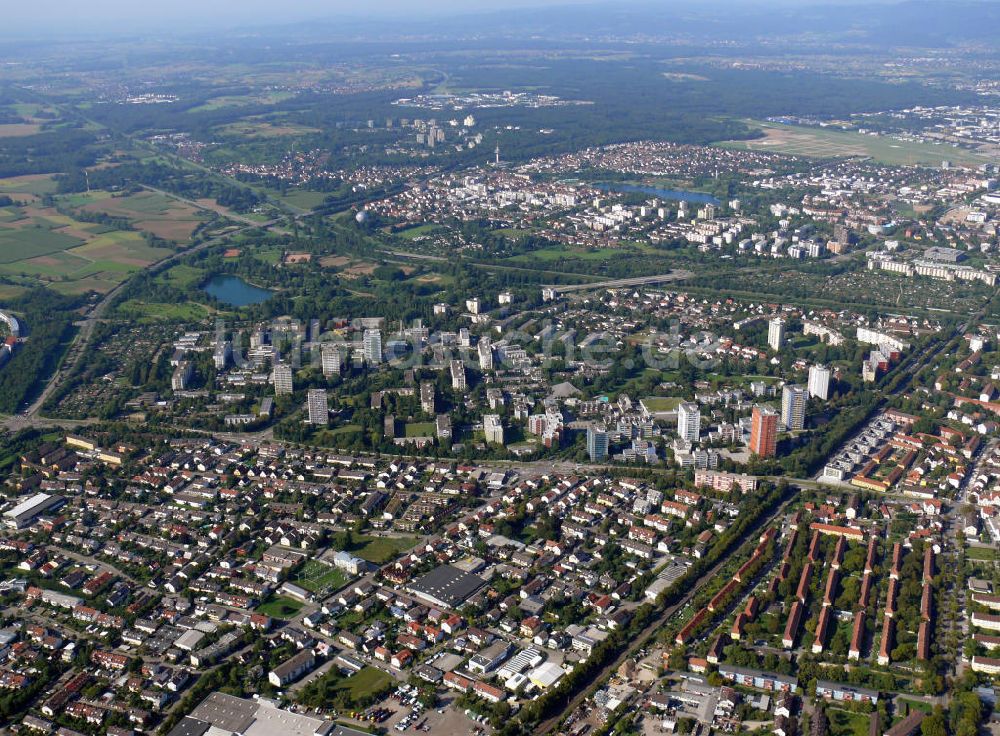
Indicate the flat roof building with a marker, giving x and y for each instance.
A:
(25, 512)
(446, 586)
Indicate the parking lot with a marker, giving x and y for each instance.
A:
(407, 715)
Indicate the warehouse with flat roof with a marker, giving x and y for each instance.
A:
(446, 586)
(25, 512)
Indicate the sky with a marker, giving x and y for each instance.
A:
(119, 13)
(158, 15)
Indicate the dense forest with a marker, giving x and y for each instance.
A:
(49, 320)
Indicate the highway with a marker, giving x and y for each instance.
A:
(663, 278)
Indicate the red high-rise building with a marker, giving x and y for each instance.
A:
(764, 431)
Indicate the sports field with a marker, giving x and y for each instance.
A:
(321, 578)
(831, 143)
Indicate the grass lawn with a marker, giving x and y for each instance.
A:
(420, 429)
(912, 705)
(270, 256)
(380, 550)
(415, 232)
(303, 198)
(11, 291)
(349, 693)
(346, 429)
(514, 232)
(367, 680)
(662, 403)
(317, 577)
(183, 275)
(146, 203)
(843, 723)
(280, 606)
(987, 554)
(160, 312)
(551, 255)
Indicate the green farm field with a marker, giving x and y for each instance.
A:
(33, 184)
(148, 211)
(43, 245)
(18, 244)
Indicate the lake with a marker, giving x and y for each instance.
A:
(235, 291)
(679, 195)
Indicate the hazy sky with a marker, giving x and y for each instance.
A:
(42, 15)
(36, 13)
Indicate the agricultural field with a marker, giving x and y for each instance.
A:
(28, 187)
(303, 199)
(151, 212)
(236, 101)
(41, 245)
(18, 130)
(57, 246)
(829, 143)
(34, 118)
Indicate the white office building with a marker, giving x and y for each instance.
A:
(689, 421)
(776, 333)
(819, 381)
